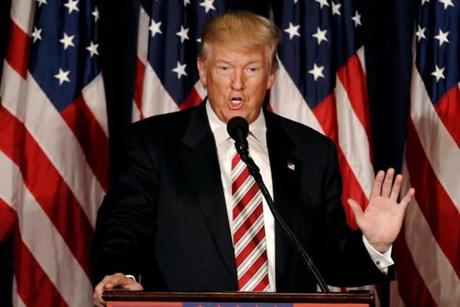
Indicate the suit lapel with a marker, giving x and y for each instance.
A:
(199, 159)
(285, 177)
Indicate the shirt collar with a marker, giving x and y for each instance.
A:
(257, 129)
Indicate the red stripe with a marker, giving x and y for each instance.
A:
(238, 182)
(351, 189)
(411, 286)
(48, 188)
(18, 49)
(436, 205)
(352, 77)
(33, 285)
(256, 265)
(91, 137)
(262, 285)
(245, 200)
(252, 244)
(139, 85)
(250, 221)
(192, 100)
(326, 113)
(8, 220)
(448, 108)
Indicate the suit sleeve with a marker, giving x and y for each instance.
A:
(125, 219)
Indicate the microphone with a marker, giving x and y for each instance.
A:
(238, 129)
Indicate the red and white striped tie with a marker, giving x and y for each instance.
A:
(248, 229)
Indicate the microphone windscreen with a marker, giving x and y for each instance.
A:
(238, 127)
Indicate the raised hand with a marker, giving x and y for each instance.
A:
(382, 219)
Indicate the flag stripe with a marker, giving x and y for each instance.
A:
(89, 132)
(326, 113)
(412, 289)
(352, 77)
(448, 108)
(437, 207)
(138, 90)
(45, 238)
(439, 146)
(40, 117)
(17, 52)
(20, 147)
(33, 285)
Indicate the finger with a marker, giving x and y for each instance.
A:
(396, 188)
(357, 211)
(388, 182)
(377, 187)
(407, 198)
(134, 286)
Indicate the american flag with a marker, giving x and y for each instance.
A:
(322, 84)
(53, 149)
(428, 254)
(166, 74)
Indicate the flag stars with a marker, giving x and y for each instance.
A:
(336, 8)
(95, 14)
(438, 73)
(317, 71)
(357, 19)
(41, 2)
(420, 33)
(155, 27)
(183, 34)
(62, 76)
(292, 30)
(186, 2)
(71, 5)
(425, 1)
(92, 48)
(322, 3)
(320, 35)
(446, 3)
(208, 5)
(180, 70)
(36, 34)
(442, 37)
(67, 41)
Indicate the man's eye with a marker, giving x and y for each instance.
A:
(253, 70)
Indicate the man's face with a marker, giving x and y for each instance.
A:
(236, 80)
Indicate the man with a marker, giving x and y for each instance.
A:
(173, 219)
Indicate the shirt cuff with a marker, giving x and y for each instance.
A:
(132, 277)
(381, 260)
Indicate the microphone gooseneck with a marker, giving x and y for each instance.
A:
(238, 129)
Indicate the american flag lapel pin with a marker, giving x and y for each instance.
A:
(291, 166)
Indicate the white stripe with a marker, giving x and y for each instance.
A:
(287, 101)
(248, 210)
(200, 90)
(94, 96)
(256, 278)
(16, 299)
(42, 238)
(143, 35)
(360, 54)
(242, 190)
(156, 99)
(442, 151)
(27, 103)
(252, 257)
(249, 235)
(353, 140)
(22, 13)
(434, 268)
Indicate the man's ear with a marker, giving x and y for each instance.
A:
(200, 63)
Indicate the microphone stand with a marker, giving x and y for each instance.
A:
(242, 149)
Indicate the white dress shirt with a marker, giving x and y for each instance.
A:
(258, 150)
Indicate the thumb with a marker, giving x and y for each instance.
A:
(356, 208)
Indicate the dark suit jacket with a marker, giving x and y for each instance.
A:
(165, 217)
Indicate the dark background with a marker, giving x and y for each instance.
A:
(388, 30)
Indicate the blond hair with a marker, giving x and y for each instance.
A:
(242, 30)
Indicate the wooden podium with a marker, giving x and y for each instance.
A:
(236, 299)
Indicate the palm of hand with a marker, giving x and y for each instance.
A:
(382, 219)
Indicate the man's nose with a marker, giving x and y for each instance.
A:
(238, 80)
